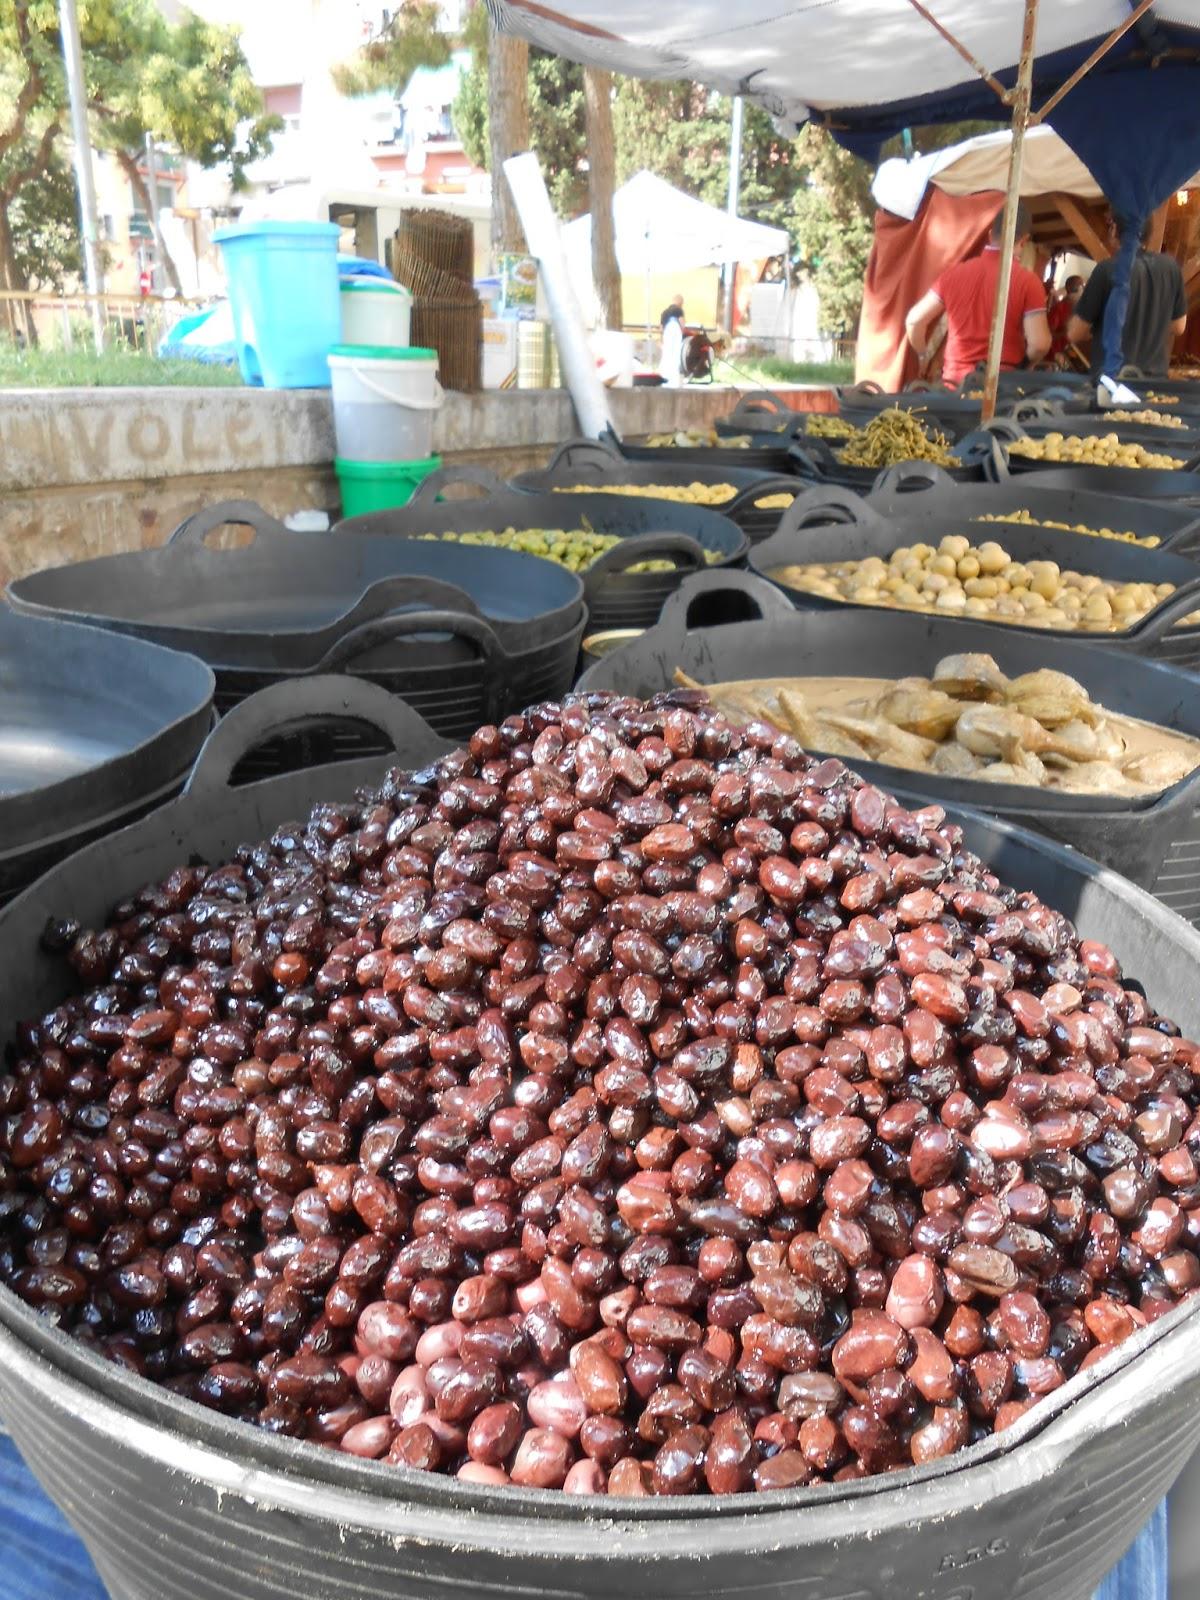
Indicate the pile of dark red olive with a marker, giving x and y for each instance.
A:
(629, 1104)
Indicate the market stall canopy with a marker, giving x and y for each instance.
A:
(1131, 118)
(661, 229)
(977, 165)
(809, 60)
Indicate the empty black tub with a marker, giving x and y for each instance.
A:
(1154, 841)
(94, 729)
(179, 1503)
(692, 537)
(464, 637)
(586, 463)
(286, 598)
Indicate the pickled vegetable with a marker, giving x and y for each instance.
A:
(574, 549)
(969, 720)
(1090, 450)
(961, 579)
(688, 494)
(1028, 520)
(895, 435)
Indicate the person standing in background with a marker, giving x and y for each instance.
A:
(671, 363)
(966, 293)
(1157, 312)
(1059, 314)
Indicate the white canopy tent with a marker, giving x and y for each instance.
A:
(662, 229)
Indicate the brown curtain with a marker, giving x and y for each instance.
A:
(906, 257)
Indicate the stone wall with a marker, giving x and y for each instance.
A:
(88, 472)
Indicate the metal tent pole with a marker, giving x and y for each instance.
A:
(1020, 121)
(735, 190)
(84, 179)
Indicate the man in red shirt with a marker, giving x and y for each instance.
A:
(966, 294)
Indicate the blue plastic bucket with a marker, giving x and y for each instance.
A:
(283, 292)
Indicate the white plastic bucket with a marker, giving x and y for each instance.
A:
(384, 400)
(375, 311)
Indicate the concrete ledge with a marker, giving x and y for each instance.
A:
(55, 437)
(87, 472)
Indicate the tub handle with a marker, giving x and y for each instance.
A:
(911, 477)
(387, 595)
(436, 404)
(642, 547)
(1154, 628)
(579, 455)
(403, 624)
(195, 529)
(283, 706)
(1035, 408)
(826, 504)
(748, 498)
(769, 601)
(429, 491)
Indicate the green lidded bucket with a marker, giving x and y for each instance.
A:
(380, 485)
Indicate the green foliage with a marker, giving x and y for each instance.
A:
(556, 123)
(775, 371)
(831, 219)
(410, 40)
(44, 219)
(187, 83)
(116, 369)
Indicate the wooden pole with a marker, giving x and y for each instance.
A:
(1020, 121)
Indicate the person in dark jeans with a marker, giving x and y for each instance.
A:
(1157, 311)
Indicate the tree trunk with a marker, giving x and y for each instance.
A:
(602, 180)
(508, 126)
(130, 167)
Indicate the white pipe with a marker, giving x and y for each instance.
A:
(541, 232)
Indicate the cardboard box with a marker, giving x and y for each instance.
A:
(500, 352)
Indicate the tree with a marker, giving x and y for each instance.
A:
(411, 39)
(602, 168)
(187, 84)
(831, 217)
(508, 131)
(556, 124)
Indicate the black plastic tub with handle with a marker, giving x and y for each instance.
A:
(923, 494)
(1152, 840)
(1161, 633)
(766, 415)
(466, 638)
(977, 457)
(692, 537)
(95, 729)
(285, 598)
(1181, 482)
(178, 1503)
(587, 465)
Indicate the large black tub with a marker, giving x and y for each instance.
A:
(1161, 633)
(94, 729)
(922, 493)
(178, 1503)
(692, 537)
(464, 637)
(586, 464)
(1153, 840)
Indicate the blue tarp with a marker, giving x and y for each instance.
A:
(208, 336)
